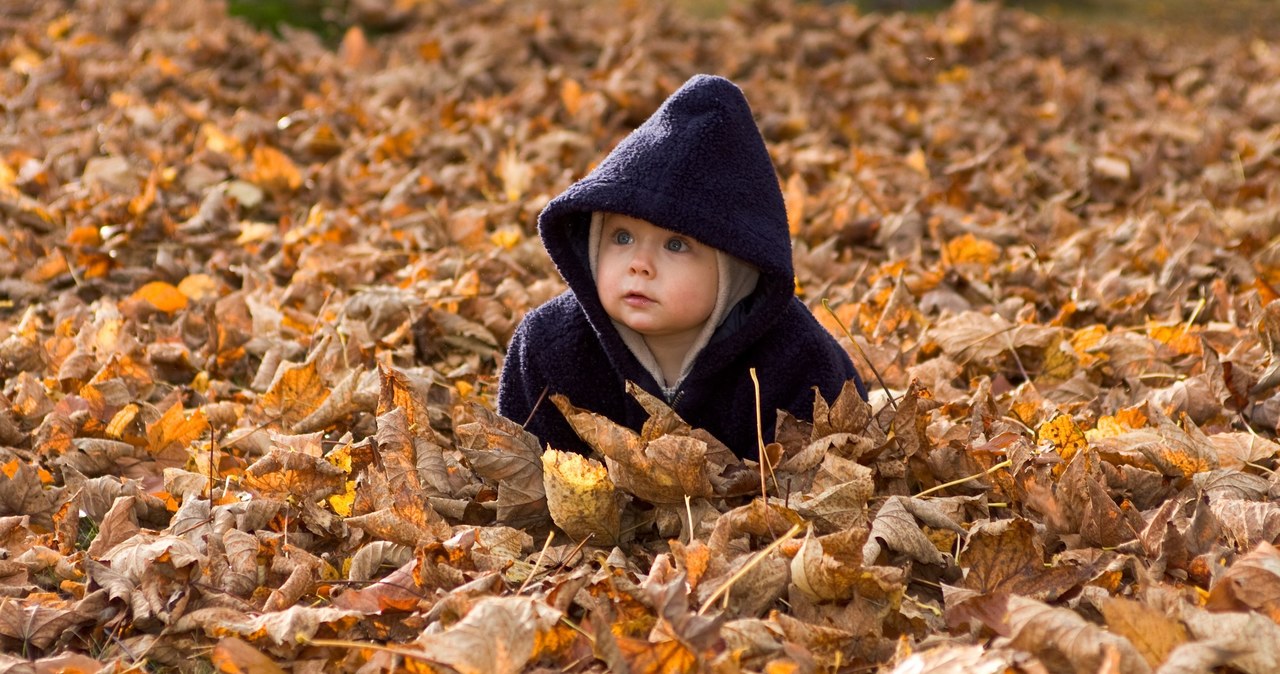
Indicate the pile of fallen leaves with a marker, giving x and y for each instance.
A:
(254, 293)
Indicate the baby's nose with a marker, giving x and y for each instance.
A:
(641, 263)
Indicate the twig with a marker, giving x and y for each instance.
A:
(537, 563)
(754, 561)
(764, 456)
(541, 397)
(1003, 464)
(892, 401)
(688, 509)
(1194, 315)
(338, 643)
(759, 440)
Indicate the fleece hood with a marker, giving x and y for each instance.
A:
(698, 166)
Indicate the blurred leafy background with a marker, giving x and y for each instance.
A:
(1189, 18)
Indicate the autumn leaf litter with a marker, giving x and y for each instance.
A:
(255, 293)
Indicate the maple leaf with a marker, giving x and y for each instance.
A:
(284, 474)
(36, 623)
(296, 392)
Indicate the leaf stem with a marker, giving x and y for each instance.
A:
(746, 568)
(1003, 464)
(537, 563)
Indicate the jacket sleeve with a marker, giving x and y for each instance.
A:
(530, 375)
(519, 385)
(830, 369)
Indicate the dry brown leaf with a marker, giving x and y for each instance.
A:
(895, 526)
(38, 623)
(22, 493)
(1251, 584)
(295, 625)
(1006, 557)
(296, 392)
(500, 451)
(1252, 639)
(663, 470)
(497, 636)
(1154, 634)
(1067, 642)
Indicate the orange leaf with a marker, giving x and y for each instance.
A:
(968, 248)
(272, 170)
(296, 392)
(233, 655)
(795, 193)
(175, 430)
(571, 96)
(163, 296)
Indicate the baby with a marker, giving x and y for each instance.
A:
(678, 261)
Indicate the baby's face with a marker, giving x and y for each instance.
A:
(653, 280)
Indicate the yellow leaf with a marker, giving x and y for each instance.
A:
(163, 296)
(956, 75)
(916, 160)
(121, 420)
(217, 141)
(1064, 434)
(342, 503)
(199, 287)
(256, 232)
(1086, 338)
(581, 497)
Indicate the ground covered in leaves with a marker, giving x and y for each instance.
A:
(254, 293)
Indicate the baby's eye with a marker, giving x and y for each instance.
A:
(622, 236)
(677, 245)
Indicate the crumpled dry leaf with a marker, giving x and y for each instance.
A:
(499, 635)
(661, 470)
(1067, 642)
(1251, 584)
(896, 527)
(500, 451)
(286, 474)
(581, 498)
(830, 568)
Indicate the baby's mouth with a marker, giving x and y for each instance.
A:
(637, 299)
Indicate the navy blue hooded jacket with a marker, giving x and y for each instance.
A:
(698, 166)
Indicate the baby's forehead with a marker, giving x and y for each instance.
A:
(620, 219)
